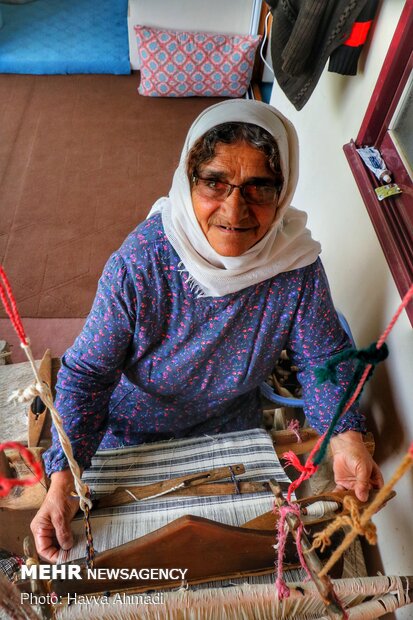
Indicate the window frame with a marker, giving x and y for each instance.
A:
(392, 218)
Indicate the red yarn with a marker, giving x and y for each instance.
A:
(6, 484)
(294, 426)
(307, 470)
(282, 588)
(405, 301)
(10, 306)
(283, 511)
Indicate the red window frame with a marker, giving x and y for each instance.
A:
(392, 218)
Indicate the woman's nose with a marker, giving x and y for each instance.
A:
(235, 207)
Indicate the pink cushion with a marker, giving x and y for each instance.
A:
(175, 63)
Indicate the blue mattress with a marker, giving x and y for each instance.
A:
(65, 36)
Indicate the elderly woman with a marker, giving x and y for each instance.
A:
(194, 309)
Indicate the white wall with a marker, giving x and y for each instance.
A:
(361, 283)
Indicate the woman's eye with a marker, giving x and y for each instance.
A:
(213, 184)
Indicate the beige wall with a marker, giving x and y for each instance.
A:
(359, 276)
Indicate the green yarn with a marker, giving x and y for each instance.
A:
(371, 355)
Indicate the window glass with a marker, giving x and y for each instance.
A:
(401, 126)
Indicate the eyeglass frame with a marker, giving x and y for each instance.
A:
(231, 187)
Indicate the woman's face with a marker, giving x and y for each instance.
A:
(231, 225)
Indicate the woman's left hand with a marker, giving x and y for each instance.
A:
(353, 466)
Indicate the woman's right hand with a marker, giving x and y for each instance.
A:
(51, 525)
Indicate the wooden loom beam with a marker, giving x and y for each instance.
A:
(218, 551)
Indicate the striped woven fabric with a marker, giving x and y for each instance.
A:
(154, 462)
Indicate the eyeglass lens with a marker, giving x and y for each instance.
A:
(258, 194)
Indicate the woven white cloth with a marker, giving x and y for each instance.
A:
(154, 462)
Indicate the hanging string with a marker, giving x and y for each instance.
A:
(367, 356)
(10, 306)
(41, 389)
(282, 533)
(307, 470)
(264, 40)
(6, 484)
(294, 427)
(368, 359)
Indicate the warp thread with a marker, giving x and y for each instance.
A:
(11, 603)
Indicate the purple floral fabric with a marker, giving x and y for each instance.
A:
(154, 361)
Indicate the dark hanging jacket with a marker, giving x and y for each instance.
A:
(345, 58)
(304, 34)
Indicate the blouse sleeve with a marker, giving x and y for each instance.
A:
(317, 335)
(92, 367)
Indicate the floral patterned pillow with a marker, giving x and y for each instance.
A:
(176, 63)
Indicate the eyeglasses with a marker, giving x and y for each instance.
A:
(251, 192)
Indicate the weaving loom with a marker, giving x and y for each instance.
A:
(160, 461)
(252, 597)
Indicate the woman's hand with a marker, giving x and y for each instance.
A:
(353, 465)
(51, 525)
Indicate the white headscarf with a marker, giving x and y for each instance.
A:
(286, 245)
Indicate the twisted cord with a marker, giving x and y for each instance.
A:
(371, 509)
(9, 303)
(41, 389)
(323, 539)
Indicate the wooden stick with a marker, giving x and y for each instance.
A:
(5, 469)
(36, 421)
(285, 440)
(223, 488)
(127, 495)
(314, 565)
(38, 586)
